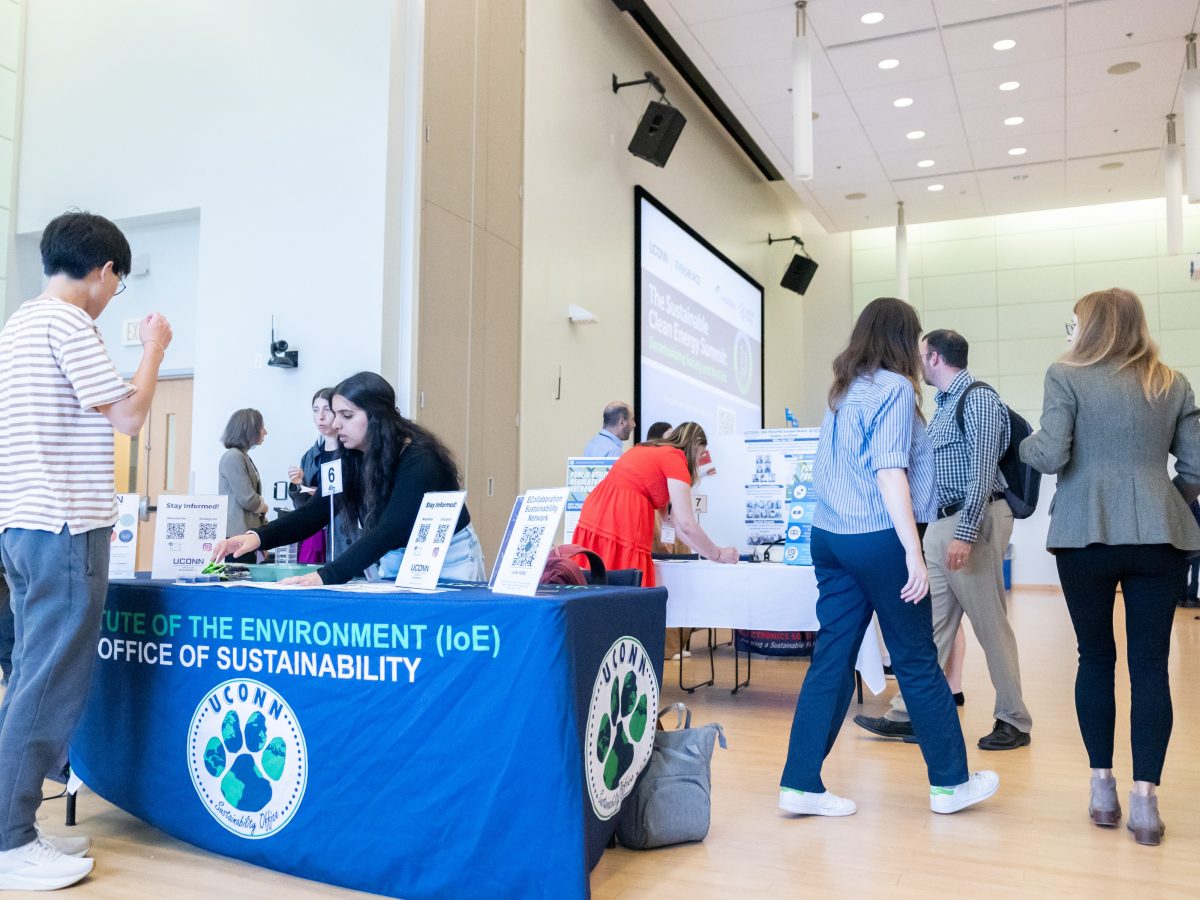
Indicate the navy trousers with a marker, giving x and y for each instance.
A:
(858, 574)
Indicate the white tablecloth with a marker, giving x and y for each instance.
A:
(753, 597)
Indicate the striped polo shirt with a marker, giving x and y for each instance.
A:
(56, 458)
(875, 427)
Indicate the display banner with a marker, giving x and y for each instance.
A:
(527, 541)
(432, 533)
(583, 474)
(185, 531)
(461, 744)
(122, 557)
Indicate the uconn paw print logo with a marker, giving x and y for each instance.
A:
(621, 722)
(247, 757)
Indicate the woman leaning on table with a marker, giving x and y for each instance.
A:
(617, 519)
(389, 464)
(1112, 413)
(875, 478)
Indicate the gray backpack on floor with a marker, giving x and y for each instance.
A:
(672, 801)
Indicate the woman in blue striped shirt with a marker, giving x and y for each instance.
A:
(875, 478)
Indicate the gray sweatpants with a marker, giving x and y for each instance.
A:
(59, 583)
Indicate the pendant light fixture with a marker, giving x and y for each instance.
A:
(901, 253)
(1191, 121)
(802, 134)
(1173, 190)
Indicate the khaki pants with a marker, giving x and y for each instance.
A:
(677, 639)
(978, 591)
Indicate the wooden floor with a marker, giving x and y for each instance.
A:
(1032, 839)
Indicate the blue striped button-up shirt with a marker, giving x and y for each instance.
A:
(876, 426)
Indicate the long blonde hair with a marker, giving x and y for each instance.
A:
(688, 437)
(1112, 328)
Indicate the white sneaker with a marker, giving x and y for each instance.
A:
(67, 845)
(39, 867)
(979, 786)
(684, 654)
(806, 803)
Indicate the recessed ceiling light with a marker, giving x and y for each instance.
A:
(857, 195)
(1111, 165)
(1010, 85)
(925, 164)
(936, 187)
(1014, 120)
(888, 63)
(915, 135)
(1124, 68)
(1017, 151)
(872, 18)
(902, 102)
(1004, 45)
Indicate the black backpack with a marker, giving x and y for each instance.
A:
(1022, 481)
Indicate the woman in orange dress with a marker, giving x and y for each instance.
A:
(617, 519)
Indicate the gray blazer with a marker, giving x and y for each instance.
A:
(1109, 445)
(240, 483)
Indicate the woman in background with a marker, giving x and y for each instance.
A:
(238, 477)
(617, 519)
(304, 477)
(389, 464)
(875, 477)
(1112, 413)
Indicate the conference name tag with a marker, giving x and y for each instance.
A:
(430, 539)
(186, 530)
(667, 533)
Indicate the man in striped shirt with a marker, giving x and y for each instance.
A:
(965, 545)
(60, 398)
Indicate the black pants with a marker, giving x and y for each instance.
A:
(1151, 577)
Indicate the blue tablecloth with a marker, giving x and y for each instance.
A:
(459, 744)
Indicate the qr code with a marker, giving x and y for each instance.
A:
(441, 533)
(726, 422)
(175, 531)
(422, 533)
(527, 545)
(208, 531)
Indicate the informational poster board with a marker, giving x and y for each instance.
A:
(432, 533)
(186, 530)
(122, 556)
(583, 474)
(527, 541)
(781, 467)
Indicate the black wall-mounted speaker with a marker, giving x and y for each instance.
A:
(657, 133)
(799, 274)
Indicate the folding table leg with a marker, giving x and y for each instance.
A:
(712, 668)
(738, 684)
(858, 684)
(70, 808)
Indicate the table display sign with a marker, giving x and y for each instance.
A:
(527, 541)
(122, 557)
(185, 532)
(432, 533)
(283, 729)
(781, 459)
(583, 474)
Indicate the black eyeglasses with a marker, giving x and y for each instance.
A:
(121, 288)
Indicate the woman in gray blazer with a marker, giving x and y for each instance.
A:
(239, 480)
(1112, 413)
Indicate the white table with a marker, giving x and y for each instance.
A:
(753, 597)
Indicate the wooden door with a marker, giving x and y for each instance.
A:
(158, 460)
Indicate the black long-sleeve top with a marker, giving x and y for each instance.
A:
(417, 473)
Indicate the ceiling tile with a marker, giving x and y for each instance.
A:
(946, 158)
(950, 12)
(1162, 61)
(833, 111)
(693, 11)
(1038, 148)
(1117, 106)
(931, 97)
(744, 40)
(1100, 24)
(770, 80)
(1023, 188)
(1038, 81)
(840, 22)
(920, 56)
(963, 184)
(892, 137)
(845, 157)
(1093, 140)
(1039, 35)
(987, 123)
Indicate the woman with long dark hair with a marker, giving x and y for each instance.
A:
(389, 464)
(1112, 413)
(875, 479)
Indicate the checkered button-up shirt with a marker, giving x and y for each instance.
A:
(967, 460)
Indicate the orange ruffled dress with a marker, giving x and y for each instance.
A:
(617, 519)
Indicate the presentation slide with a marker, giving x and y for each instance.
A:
(699, 353)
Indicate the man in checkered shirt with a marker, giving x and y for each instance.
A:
(964, 548)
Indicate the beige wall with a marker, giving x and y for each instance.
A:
(578, 244)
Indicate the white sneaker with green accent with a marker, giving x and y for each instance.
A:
(39, 867)
(807, 803)
(979, 786)
(67, 845)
